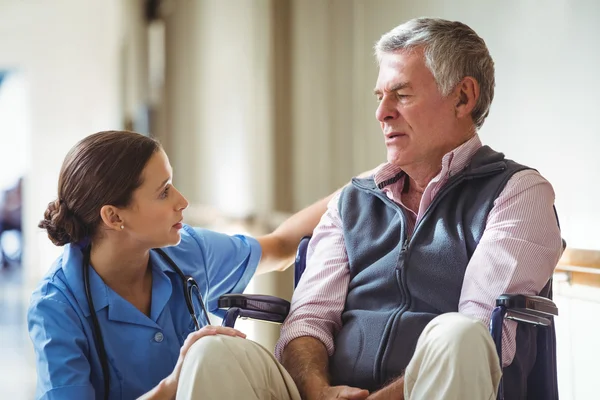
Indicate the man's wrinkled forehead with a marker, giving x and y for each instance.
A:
(399, 65)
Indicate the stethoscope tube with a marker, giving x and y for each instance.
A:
(189, 285)
(99, 341)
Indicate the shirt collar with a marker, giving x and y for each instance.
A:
(159, 263)
(102, 296)
(452, 163)
(72, 266)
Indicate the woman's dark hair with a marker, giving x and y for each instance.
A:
(104, 168)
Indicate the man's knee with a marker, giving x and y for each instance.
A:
(251, 369)
(455, 354)
(210, 348)
(456, 333)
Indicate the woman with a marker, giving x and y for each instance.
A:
(112, 309)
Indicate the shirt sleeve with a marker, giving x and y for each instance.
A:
(230, 263)
(60, 345)
(319, 298)
(517, 253)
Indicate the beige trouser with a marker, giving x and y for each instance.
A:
(224, 367)
(455, 358)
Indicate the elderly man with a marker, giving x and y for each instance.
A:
(404, 268)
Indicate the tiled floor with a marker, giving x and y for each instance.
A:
(17, 375)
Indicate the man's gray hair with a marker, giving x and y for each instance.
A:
(452, 51)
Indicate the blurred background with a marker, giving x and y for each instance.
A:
(264, 106)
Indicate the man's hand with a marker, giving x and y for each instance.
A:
(343, 393)
(393, 391)
(307, 361)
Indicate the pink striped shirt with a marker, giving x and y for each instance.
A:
(517, 253)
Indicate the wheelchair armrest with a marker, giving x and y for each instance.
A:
(535, 310)
(254, 306)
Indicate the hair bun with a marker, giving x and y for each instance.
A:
(61, 224)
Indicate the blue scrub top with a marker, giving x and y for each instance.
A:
(141, 350)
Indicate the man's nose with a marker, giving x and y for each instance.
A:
(386, 110)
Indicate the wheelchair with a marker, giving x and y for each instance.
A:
(538, 311)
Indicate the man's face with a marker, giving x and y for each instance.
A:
(418, 123)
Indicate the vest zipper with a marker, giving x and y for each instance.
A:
(405, 247)
(405, 244)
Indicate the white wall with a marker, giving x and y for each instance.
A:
(69, 52)
(219, 120)
(577, 343)
(217, 98)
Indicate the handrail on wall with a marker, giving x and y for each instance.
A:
(577, 268)
(581, 267)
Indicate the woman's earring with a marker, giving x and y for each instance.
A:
(122, 227)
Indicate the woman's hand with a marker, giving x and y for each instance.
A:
(343, 393)
(170, 383)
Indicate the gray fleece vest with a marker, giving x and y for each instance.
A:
(400, 283)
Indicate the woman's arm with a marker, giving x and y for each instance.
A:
(279, 247)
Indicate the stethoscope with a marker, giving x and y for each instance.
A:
(189, 286)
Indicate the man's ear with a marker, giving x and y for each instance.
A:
(466, 94)
(111, 218)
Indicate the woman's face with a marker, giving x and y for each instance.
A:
(156, 212)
